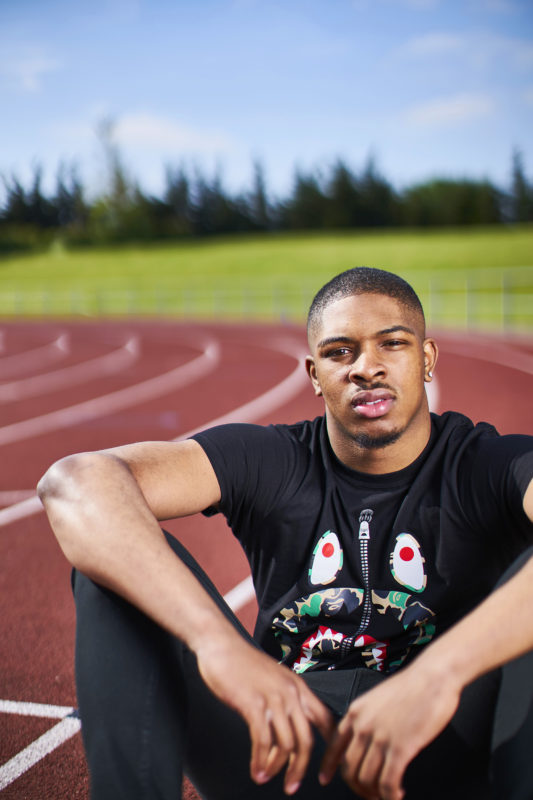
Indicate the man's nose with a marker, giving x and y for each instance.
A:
(366, 366)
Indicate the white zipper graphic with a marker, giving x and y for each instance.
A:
(364, 538)
(347, 645)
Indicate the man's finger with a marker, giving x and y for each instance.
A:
(370, 767)
(301, 754)
(283, 740)
(262, 742)
(390, 782)
(362, 765)
(334, 753)
(318, 714)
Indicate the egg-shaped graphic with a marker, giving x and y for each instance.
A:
(327, 559)
(407, 563)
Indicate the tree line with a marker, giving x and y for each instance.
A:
(193, 204)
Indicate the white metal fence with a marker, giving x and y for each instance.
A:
(491, 298)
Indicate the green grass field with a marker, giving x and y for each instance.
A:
(459, 274)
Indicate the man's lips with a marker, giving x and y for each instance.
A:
(373, 403)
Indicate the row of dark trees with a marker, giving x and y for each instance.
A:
(195, 205)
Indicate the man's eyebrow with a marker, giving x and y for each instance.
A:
(347, 340)
(334, 340)
(396, 328)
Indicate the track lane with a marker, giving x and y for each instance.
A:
(67, 377)
(19, 362)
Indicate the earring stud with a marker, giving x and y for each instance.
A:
(430, 374)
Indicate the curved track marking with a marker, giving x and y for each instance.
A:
(19, 362)
(25, 508)
(273, 398)
(240, 595)
(260, 406)
(432, 391)
(115, 401)
(492, 351)
(70, 376)
(10, 496)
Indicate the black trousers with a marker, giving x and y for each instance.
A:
(147, 717)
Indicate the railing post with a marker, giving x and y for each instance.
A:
(470, 301)
(506, 302)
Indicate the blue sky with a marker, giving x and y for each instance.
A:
(429, 87)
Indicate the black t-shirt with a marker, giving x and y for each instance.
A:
(357, 569)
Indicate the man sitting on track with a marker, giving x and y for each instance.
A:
(376, 536)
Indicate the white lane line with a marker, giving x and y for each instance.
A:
(241, 594)
(433, 393)
(70, 376)
(20, 362)
(37, 750)
(20, 510)
(115, 401)
(34, 709)
(10, 496)
(271, 399)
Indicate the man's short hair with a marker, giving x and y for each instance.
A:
(363, 280)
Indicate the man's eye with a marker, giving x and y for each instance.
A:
(394, 342)
(338, 351)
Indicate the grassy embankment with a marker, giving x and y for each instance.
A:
(273, 276)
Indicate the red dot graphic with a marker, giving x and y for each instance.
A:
(328, 550)
(406, 553)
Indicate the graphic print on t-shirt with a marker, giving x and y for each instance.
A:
(407, 563)
(302, 626)
(327, 560)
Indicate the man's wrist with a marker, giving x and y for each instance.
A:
(442, 665)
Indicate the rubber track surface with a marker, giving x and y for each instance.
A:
(185, 376)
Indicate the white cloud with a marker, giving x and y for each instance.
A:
(449, 111)
(143, 131)
(25, 68)
(434, 44)
(480, 53)
(152, 131)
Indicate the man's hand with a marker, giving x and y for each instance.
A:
(278, 707)
(385, 729)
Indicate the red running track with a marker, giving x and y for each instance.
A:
(66, 387)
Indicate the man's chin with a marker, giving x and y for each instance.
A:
(368, 442)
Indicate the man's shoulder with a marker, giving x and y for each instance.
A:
(477, 454)
(455, 431)
(454, 428)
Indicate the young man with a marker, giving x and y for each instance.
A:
(375, 534)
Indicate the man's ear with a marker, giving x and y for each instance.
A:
(311, 371)
(431, 353)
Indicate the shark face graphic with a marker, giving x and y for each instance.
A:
(306, 628)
